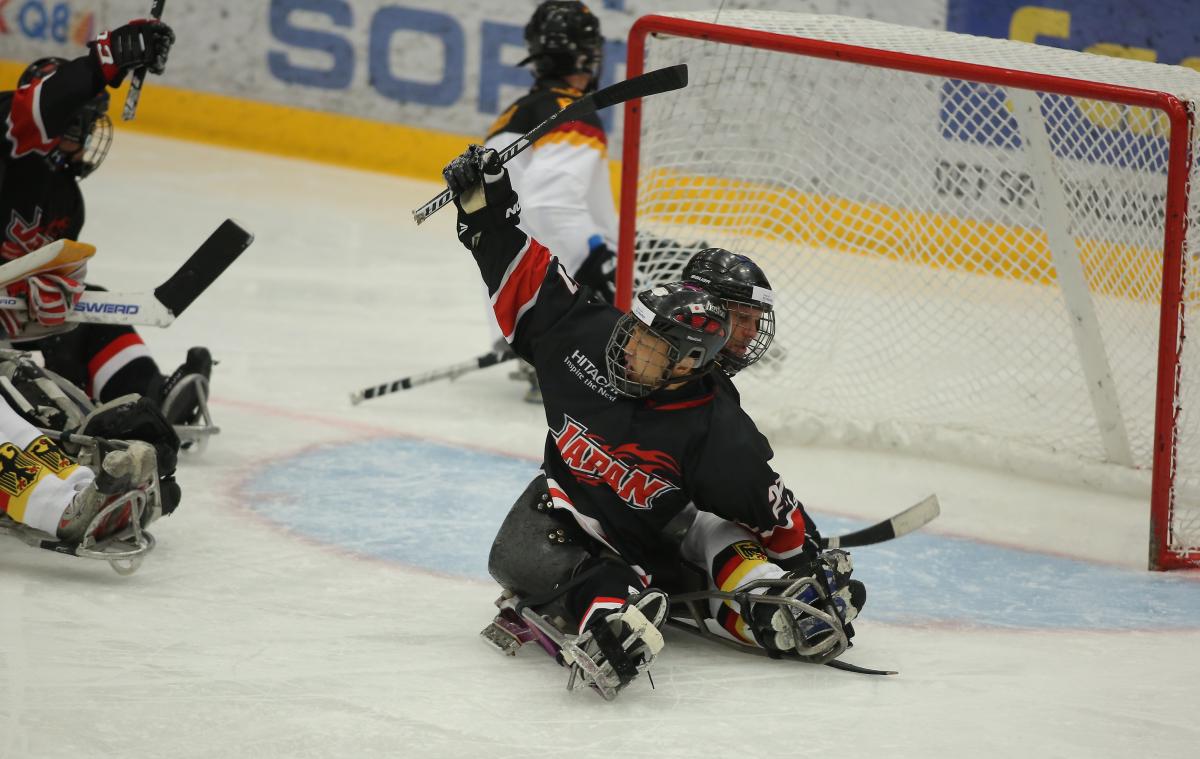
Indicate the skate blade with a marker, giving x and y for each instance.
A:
(506, 635)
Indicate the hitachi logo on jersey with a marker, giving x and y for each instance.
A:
(589, 368)
(583, 368)
(594, 464)
(107, 308)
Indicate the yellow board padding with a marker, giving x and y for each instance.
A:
(10, 72)
(881, 231)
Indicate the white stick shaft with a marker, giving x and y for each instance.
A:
(96, 307)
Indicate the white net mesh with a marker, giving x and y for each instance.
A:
(920, 232)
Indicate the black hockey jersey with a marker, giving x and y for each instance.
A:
(625, 467)
(39, 205)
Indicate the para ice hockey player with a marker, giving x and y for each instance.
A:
(54, 131)
(92, 495)
(716, 544)
(563, 179)
(747, 293)
(640, 436)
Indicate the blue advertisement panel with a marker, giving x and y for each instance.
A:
(1086, 132)
(1161, 31)
(1165, 31)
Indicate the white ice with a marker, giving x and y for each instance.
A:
(240, 638)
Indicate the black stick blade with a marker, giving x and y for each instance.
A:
(650, 83)
(208, 262)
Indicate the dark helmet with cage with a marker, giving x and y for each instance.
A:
(87, 137)
(673, 333)
(749, 297)
(563, 37)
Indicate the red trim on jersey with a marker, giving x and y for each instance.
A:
(580, 127)
(787, 540)
(112, 349)
(607, 599)
(693, 403)
(522, 286)
(598, 603)
(25, 129)
(558, 493)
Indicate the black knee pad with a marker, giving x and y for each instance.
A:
(537, 547)
(136, 418)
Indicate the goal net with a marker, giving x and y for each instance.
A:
(978, 246)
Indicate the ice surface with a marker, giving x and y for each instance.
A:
(320, 591)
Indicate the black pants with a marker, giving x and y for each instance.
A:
(542, 555)
(80, 354)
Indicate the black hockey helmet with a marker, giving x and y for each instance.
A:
(668, 325)
(563, 37)
(89, 127)
(749, 297)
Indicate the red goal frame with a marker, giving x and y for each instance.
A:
(1171, 325)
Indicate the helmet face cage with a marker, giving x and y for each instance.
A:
(750, 334)
(89, 128)
(564, 38)
(638, 371)
(748, 296)
(92, 130)
(668, 325)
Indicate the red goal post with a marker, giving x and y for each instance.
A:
(978, 245)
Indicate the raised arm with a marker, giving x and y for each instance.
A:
(529, 290)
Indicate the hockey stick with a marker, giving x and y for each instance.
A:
(160, 307)
(650, 83)
(676, 623)
(447, 372)
(912, 518)
(139, 76)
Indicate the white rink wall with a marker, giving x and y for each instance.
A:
(396, 85)
(446, 65)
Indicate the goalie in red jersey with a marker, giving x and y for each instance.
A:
(55, 131)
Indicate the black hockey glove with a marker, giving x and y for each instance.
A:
(599, 272)
(835, 566)
(133, 417)
(465, 172)
(143, 42)
(484, 195)
(824, 584)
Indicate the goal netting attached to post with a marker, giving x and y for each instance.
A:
(979, 247)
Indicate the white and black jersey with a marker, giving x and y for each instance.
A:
(563, 178)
